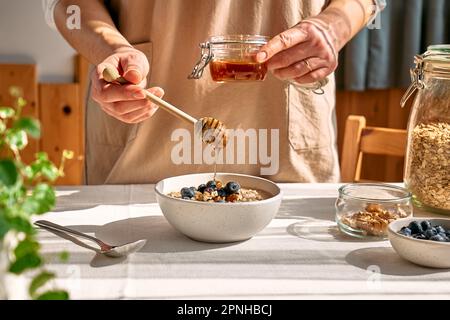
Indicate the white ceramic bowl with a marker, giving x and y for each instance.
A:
(422, 252)
(218, 222)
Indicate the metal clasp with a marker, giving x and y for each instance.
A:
(315, 87)
(416, 79)
(205, 57)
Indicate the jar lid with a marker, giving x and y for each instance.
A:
(435, 62)
(437, 58)
(238, 39)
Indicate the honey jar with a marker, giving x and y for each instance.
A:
(231, 58)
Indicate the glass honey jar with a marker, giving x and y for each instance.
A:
(232, 58)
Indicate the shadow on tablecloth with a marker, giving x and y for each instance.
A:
(386, 261)
(317, 208)
(160, 236)
(315, 220)
(87, 197)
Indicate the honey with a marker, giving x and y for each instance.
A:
(223, 71)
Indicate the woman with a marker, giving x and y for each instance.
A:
(155, 42)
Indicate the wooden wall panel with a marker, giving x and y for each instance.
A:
(23, 76)
(62, 123)
(381, 109)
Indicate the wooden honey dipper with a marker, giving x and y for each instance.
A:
(210, 129)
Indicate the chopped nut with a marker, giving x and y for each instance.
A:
(373, 220)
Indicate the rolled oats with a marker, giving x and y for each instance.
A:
(429, 168)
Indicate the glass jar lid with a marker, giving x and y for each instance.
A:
(435, 61)
(238, 39)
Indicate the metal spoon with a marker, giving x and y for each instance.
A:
(106, 249)
(211, 130)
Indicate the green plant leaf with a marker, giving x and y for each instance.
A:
(50, 171)
(7, 112)
(4, 224)
(67, 154)
(64, 256)
(54, 295)
(26, 246)
(41, 156)
(2, 126)
(41, 200)
(8, 172)
(28, 261)
(40, 280)
(21, 224)
(42, 166)
(29, 125)
(21, 102)
(16, 139)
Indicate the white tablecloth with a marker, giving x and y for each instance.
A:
(301, 254)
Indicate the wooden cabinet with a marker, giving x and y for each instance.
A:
(60, 110)
(23, 76)
(61, 116)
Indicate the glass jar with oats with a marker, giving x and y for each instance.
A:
(427, 163)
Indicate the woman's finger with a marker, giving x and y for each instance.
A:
(288, 57)
(111, 92)
(283, 41)
(314, 76)
(300, 69)
(141, 114)
(124, 107)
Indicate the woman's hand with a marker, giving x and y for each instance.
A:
(305, 53)
(125, 102)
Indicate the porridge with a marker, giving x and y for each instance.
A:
(216, 191)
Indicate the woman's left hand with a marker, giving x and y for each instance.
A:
(305, 53)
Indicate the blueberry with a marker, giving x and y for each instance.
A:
(420, 236)
(211, 184)
(415, 227)
(232, 187)
(429, 233)
(425, 225)
(187, 193)
(201, 188)
(405, 231)
(221, 193)
(447, 233)
(220, 201)
(440, 229)
(186, 198)
(209, 190)
(438, 237)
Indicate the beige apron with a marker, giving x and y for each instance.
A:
(168, 32)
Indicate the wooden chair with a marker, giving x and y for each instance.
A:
(360, 139)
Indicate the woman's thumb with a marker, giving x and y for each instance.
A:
(133, 69)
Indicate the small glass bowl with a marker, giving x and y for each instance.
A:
(364, 210)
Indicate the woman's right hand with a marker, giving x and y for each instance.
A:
(125, 102)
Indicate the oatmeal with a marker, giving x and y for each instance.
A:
(216, 191)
